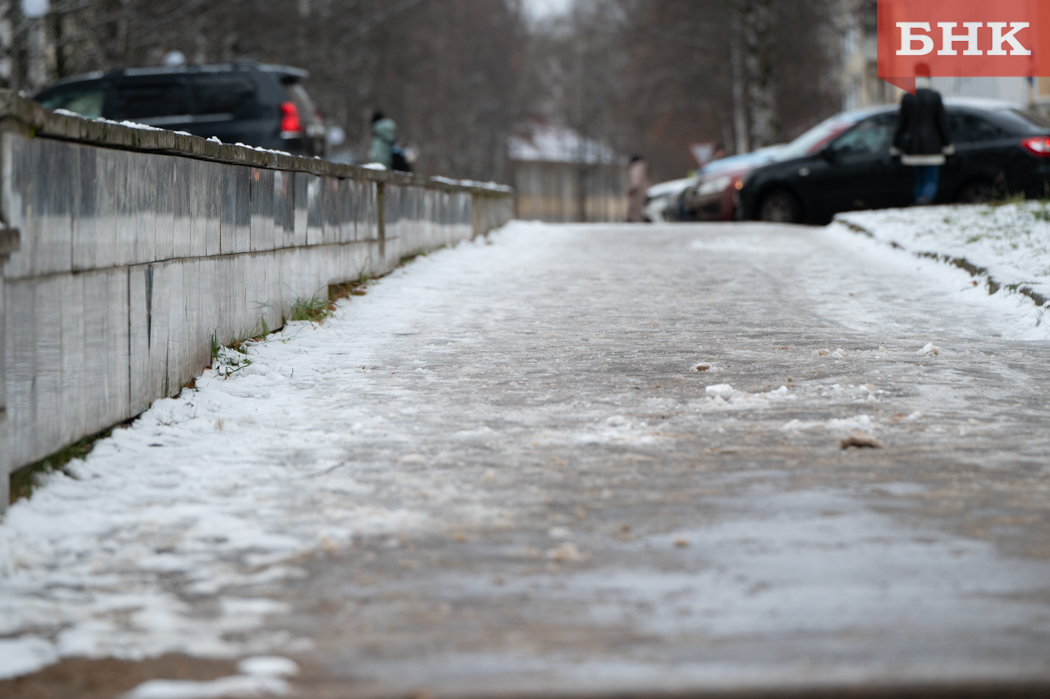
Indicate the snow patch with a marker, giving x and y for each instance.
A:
(724, 397)
(930, 350)
(260, 676)
(25, 655)
(836, 426)
(1009, 243)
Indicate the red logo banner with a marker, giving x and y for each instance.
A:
(962, 38)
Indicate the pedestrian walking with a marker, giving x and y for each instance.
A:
(923, 138)
(384, 139)
(637, 189)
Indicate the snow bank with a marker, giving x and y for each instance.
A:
(1006, 247)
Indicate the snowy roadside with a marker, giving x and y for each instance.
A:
(1005, 247)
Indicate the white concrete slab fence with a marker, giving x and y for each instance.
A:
(125, 252)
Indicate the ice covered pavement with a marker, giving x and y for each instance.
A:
(584, 459)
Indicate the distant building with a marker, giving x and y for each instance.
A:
(561, 177)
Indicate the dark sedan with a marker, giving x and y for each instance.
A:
(258, 105)
(1000, 150)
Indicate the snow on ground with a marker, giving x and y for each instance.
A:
(150, 549)
(116, 561)
(1010, 241)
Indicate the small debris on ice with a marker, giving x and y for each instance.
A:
(566, 553)
(700, 368)
(681, 543)
(840, 353)
(914, 417)
(1016, 355)
(616, 421)
(861, 440)
(929, 350)
(489, 477)
(823, 352)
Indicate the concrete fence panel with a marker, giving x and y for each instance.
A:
(126, 253)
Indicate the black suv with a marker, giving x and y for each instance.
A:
(257, 105)
(845, 164)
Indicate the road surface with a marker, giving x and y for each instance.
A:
(583, 460)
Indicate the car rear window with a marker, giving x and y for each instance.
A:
(297, 94)
(85, 101)
(154, 101)
(219, 94)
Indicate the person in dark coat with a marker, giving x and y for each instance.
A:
(923, 138)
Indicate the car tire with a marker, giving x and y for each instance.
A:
(977, 192)
(780, 206)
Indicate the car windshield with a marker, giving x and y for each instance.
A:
(817, 137)
(742, 162)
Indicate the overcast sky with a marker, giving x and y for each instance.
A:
(539, 8)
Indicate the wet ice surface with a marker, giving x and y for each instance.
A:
(502, 465)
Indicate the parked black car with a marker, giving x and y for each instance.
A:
(257, 105)
(1000, 150)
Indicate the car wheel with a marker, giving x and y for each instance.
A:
(780, 206)
(980, 192)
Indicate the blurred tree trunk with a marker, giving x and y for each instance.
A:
(757, 27)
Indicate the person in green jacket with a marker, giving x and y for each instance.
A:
(384, 138)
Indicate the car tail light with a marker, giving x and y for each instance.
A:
(1039, 146)
(291, 124)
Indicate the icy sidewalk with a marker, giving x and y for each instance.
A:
(581, 457)
(1006, 247)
